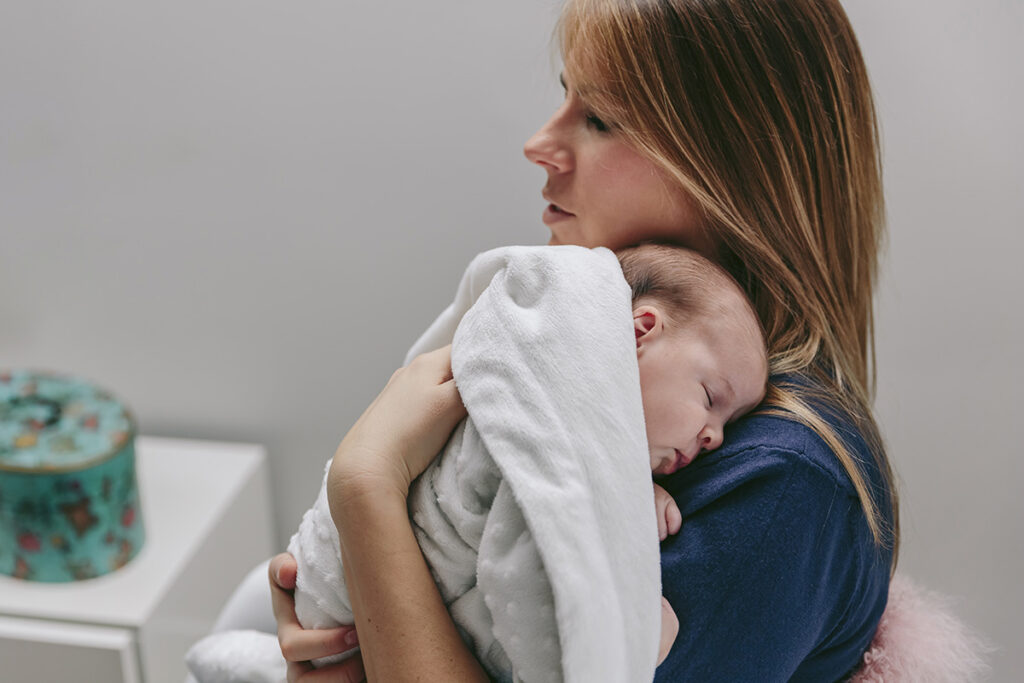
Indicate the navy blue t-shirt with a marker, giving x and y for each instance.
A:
(774, 575)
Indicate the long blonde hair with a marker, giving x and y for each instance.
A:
(762, 113)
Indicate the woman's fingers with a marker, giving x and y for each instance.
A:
(438, 363)
(299, 644)
(349, 671)
(282, 581)
(282, 571)
(435, 369)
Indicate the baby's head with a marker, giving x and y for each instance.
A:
(700, 349)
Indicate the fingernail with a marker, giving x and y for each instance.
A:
(352, 638)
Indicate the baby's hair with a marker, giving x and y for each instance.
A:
(688, 286)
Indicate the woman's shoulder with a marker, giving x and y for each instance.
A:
(764, 447)
(771, 462)
(765, 441)
(773, 535)
(771, 456)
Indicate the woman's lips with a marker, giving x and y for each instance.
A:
(553, 214)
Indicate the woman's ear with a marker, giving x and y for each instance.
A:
(648, 324)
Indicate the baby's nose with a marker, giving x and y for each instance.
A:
(710, 439)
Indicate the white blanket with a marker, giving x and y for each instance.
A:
(538, 520)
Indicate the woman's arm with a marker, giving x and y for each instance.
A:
(405, 631)
(404, 628)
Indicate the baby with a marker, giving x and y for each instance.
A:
(701, 356)
(702, 363)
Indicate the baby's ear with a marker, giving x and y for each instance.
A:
(647, 324)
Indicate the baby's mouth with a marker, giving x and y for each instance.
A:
(681, 460)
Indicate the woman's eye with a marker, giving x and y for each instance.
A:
(707, 395)
(596, 123)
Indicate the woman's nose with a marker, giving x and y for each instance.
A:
(549, 146)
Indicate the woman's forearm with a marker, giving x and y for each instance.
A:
(405, 631)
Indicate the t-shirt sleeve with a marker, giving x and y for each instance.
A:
(754, 572)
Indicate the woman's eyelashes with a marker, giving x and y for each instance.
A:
(707, 395)
(597, 124)
(593, 120)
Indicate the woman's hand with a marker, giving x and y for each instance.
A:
(403, 429)
(300, 645)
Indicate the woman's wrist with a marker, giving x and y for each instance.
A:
(353, 494)
(365, 501)
(351, 477)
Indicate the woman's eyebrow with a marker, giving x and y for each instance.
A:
(582, 91)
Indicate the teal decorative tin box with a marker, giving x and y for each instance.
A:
(69, 501)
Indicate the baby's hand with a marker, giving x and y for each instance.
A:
(670, 520)
(669, 629)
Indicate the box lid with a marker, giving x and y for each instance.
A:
(51, 423)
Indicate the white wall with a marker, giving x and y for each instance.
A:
(950, 86)
(237, 215)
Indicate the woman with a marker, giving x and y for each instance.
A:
(744, 129)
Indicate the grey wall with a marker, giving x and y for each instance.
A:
(950, 85)
(237, 216)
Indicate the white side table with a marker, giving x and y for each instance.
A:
(206, 507)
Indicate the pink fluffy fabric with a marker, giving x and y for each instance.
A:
(919, 640)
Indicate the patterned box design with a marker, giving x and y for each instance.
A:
(69, 505)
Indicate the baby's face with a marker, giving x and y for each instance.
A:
(694, 381)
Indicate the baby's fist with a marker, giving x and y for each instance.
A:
(670, 520)
(669, 630)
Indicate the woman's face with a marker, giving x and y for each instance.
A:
(601, 191)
